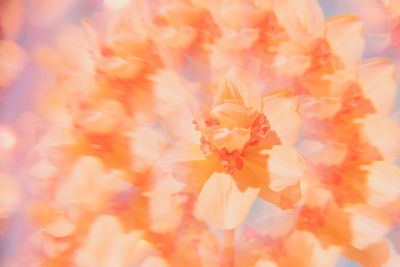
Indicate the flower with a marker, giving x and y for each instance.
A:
(244, 145)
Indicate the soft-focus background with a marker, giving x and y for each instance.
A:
(34, 22)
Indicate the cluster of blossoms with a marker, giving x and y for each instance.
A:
(164, 121)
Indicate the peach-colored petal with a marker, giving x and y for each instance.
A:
(344, 34)
(232, 115)
(88, 185)
(166, 211)
(121, 68)
(172, 43)
(240, 15)
(281, 109)
(107, 245)
(340, 81)
(175, 105)
(300, 16)
(285, 166)
(182, 153)
(382, 134)
(377, 82)
(230, 50)
(285, 199)
(369, 225)
(232, 140)
(56, 138)
(188, 164)
(178, 13)
(103, 118)
(383, 182)
(319, 108)
(304, 249)
(146, 147)
(316, 196)
(223, 202)
(328, 153)
(291, 66)
(238, 85)
(374, 255)
(166, 183)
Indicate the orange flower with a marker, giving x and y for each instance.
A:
(244, 145)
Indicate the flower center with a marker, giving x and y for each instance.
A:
(233, 160)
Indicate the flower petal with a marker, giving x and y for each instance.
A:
(175, 106)
(188, 164)
(229, 139)
(344, 34)
(222, 202)
(382, 134)
(300, 15)
(284, 199)
(319, 108)
(383, 182)
(240, 86)
(369, 225)
(377, 82)
(146, 147)
(281, 109)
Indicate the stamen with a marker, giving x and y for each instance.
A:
(231, 161)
